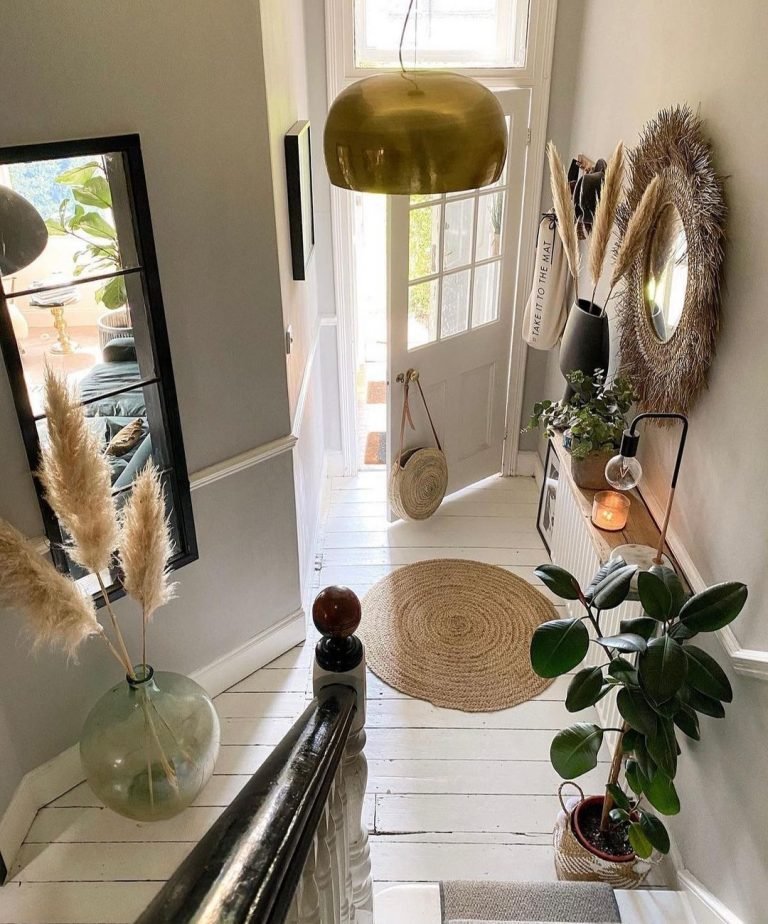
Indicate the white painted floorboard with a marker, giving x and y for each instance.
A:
(450, 794)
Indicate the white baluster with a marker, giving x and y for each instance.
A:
(340, 847)
(340, 659)
(308, 900)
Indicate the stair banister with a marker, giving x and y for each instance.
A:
(292, 846)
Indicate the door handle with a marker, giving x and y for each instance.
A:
(411, 375)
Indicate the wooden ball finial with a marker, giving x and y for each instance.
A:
(336, 612)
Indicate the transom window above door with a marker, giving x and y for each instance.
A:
(465, 34)
(455, 251)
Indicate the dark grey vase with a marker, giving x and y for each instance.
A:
(586, 341)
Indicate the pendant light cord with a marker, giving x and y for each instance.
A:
(402, 37)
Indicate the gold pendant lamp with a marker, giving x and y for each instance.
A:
(415, 133)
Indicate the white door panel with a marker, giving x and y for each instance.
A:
(453, 263)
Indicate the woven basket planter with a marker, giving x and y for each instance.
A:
(418, 483)
(576, 863)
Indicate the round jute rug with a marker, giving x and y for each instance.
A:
(456, 633)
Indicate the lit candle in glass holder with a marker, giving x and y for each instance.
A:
(610, 510)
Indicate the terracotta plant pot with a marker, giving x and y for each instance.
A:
(583, 840)
(589, 473)
(577, 860)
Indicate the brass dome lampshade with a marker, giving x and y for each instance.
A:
(415, 132)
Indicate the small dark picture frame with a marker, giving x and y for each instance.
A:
(301, 213)
(545, 522)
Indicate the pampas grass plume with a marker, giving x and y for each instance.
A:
(145, 543)
(564, 210)
(57, 614)
(638, 228)
(76, 478)
(605, 213)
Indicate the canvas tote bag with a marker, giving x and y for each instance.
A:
(546, 311)
(419, 476)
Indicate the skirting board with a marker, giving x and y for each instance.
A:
(530, 464)
(707, 908)
(51, 780)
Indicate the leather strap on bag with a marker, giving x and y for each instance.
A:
(413, 376)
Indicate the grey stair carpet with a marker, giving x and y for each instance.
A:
(494, 902)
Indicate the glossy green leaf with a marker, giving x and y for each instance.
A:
(635, 777)
(612, 591)
(629, 740)
(662, 668)
(637, 711)
(705, 704)
(654, 595)
(558, 646)
(706, 675)
(624, 642)
(669, 708)
(644, 761)
(673, 584)
(95, 192)
(662, 747)
(76, 176)
(585, 689)
(574, 750)
(610, 567)
(714, 607)
(54, 227)
(640, 625)
(618, 795)
(680, 632)
(561, 582)
(688, 722)
(618, 815)
(660, 791)
(655, 832)
(640, 843)
(97, 226)
(623, 670)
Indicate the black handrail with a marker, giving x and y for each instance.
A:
(246, 867)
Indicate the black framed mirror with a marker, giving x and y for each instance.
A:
(83, 296)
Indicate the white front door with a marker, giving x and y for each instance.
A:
(453, 265)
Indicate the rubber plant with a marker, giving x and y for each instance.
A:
(662, 682)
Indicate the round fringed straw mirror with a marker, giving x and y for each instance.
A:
(670, 307)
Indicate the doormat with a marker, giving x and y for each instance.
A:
(376, 449)
(377, 393)
(455, 633)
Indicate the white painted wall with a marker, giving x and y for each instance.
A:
(286, 67)
(190, 79)
(616, 64)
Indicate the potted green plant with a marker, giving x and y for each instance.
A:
(86, 215)
(593, 420)
(662, 683)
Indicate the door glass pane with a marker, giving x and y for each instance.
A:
(454, 318)
(422, 313)
(440, 33)
(489, 226)
(457, 236)
(424, 242)
(485, 300)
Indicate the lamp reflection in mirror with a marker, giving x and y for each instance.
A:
(624, 473)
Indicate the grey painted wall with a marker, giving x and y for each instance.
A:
(616, 65)
(190, 79)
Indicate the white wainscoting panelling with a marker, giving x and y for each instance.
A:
(51, 780)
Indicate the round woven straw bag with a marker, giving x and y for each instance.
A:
(574, 863)
(419, 476)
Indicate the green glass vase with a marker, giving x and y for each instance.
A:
(150, 744)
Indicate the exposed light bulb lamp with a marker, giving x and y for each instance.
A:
(624, 471)
(415, 132)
